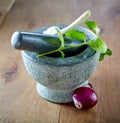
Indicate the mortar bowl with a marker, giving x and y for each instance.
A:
(57, 78)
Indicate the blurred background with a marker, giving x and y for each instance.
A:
(31, 14)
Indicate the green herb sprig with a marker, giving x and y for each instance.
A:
(97, 44)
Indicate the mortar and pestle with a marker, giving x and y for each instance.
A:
(56, 77)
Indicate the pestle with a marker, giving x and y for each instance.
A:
(39, 43)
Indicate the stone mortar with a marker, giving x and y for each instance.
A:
(57, 78)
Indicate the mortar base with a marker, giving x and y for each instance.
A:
(57, 96)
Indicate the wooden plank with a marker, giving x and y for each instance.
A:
(5, 6)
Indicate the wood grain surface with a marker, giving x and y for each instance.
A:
(19, 101)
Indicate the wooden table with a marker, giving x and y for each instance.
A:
(19, 101)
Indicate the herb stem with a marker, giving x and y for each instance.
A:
(63, 48)
(43, 54)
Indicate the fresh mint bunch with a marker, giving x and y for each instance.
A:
(96, 44)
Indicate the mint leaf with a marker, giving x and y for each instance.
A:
(75, 34)
(60, 36)
(101, 57)
(93, 27)
(108, 52)
(98, 45)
